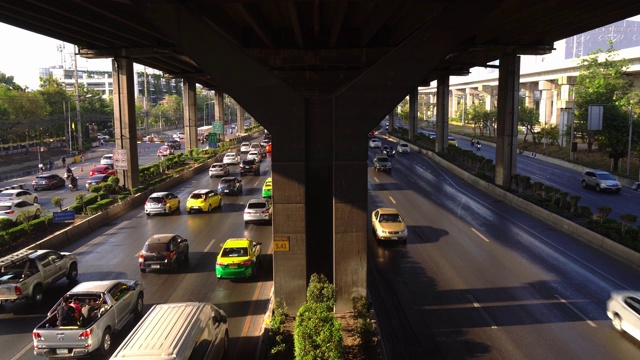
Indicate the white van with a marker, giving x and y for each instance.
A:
(188, 330)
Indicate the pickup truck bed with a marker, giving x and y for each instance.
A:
(123, 300)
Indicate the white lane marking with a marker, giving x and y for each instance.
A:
(213, 241)
(19, 355)
(392, 200)
(484, 314)
(480, 235)
(576, 311)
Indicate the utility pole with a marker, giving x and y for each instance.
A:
(75, 78)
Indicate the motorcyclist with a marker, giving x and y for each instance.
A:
(73, 182)
(68, 172)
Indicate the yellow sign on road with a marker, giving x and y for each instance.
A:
(281, 243)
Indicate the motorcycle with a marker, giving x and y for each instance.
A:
(478, 146)
(73, 183)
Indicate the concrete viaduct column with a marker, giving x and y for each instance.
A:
(564, 100)
(546, 101)
(219, 112)
(190, 111)
(507, 132)
(413, 113)
(240, 121)
(529, 93)
(442, 117)
(124, 115)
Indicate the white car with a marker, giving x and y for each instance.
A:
(253, 154)
(375, 143)
(178, 136)
(18, 194)
(623, 308)
(231, 158)
(403, 148)
(245, 147)
(107, 159)
(13, 209)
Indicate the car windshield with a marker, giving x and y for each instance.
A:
(155, 247)
(382, 159)
(234, 252)
(230, 155)
(384, 218)
(156, 199)
(217, 166)
(605, 176)
(197, 196)
(226, 182)
(257, 205)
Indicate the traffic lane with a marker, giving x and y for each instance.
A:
(111, 252)
(570, 181)
(485, 283)
(147, 154)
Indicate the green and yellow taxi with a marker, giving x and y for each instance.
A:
(238, 258)
(266, 188)
(203, 200)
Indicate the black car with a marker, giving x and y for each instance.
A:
(173, 143)
(163, 252)
(47, 182)
(97, 179)
(249, 166)
(387, 150)
(230, 185)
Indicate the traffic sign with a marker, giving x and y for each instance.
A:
(281, 243)
(120, 159)
(64, 215)
(217, 127)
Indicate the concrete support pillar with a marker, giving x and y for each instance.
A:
(546, 102)
(442, 117)
(529, 93)
(219, 99)
(507, 132)
(124, 115)
(190, 111)
(564, 100)
(413, 113)
(240, 120)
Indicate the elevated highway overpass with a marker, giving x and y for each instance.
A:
(318, 75)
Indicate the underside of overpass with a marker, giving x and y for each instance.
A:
(318, 75)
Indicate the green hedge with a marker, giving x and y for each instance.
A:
(99, 206)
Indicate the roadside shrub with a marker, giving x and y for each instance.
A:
(318, 334)
(279, 338)
(57, 202)
(321, 292)
(6, 224)
(123, 196)
(365, 329)
(99, 206)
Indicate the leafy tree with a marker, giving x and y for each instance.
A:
(603, 81)
(529, 118)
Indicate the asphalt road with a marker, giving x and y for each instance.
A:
(626, 202)
(111, 253)
(478, 278)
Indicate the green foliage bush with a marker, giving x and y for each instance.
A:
(365, 329)
(6, 224)
(99, 206)
(278, 338)
(321, 292)
(318, 334)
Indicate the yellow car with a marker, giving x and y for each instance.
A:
(388, 225)
(266, 189)
(203, 200)
(238, 258)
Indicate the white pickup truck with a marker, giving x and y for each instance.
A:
(27, 273)
(122, 300)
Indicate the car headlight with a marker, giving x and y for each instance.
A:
(403, 232)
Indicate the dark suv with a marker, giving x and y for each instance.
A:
(249, 166)
(163, 251)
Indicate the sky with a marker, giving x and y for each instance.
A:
(25, 52)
